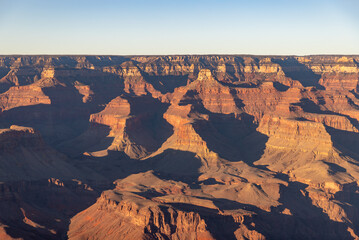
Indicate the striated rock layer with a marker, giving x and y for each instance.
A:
(179, 147)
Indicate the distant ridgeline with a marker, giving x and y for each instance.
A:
(179, 147)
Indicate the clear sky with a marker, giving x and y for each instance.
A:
(143, 27)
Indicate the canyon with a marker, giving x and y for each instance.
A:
(179, 147)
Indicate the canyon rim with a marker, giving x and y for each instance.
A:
(179, 147)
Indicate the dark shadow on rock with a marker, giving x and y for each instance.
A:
(305, 222)
(346, 142)
(27, 75)
(105, 86)
(149, 131)
(310, 107)
(4, 72)
(239, 102)
(356, 62)
(216, 141)
(176, 165)
(166, 84)
(280, 87)
(25, 232)
(145, 104)
(352, 103)
(94, 139)
(299, 71)
(63, 96)
(334, 168)
(231, 138)
(171, 164)
(4, 86)
(191, 97)
(55, 124)
(240, 84)
(226, 204)
(350, 196)
(4, 83)
(193, 208)
(67, 116)
(150, 193)
(211, 181)
(231, 75)
(46, 204)
(355, 92)
(147, 127)
(115, 165)
(220, 226)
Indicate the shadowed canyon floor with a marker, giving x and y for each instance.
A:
(179, 147)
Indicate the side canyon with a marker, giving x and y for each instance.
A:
(179, 147)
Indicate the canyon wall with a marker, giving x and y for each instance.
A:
(179, 147)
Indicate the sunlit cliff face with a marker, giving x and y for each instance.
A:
(179, 147)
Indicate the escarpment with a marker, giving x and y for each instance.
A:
(136, 218)
(167, 211)
(179, 147)
(23, 96)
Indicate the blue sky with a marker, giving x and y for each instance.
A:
(147, 27)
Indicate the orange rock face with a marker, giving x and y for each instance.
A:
(179, 147)
(23, 96)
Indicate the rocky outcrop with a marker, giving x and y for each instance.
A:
(193, 147)
(23, 96)
(214, 96)
(131, 217)
(114, 115)
(185, 136)
(159, 213)
(293, 134)
(128, 121)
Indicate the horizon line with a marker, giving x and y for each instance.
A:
(190, 54)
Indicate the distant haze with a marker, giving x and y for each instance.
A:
(149, 27)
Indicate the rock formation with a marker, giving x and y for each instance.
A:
(179, 147)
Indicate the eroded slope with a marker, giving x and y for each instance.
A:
(179, 147)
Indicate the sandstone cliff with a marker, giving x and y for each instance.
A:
(179, 147)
